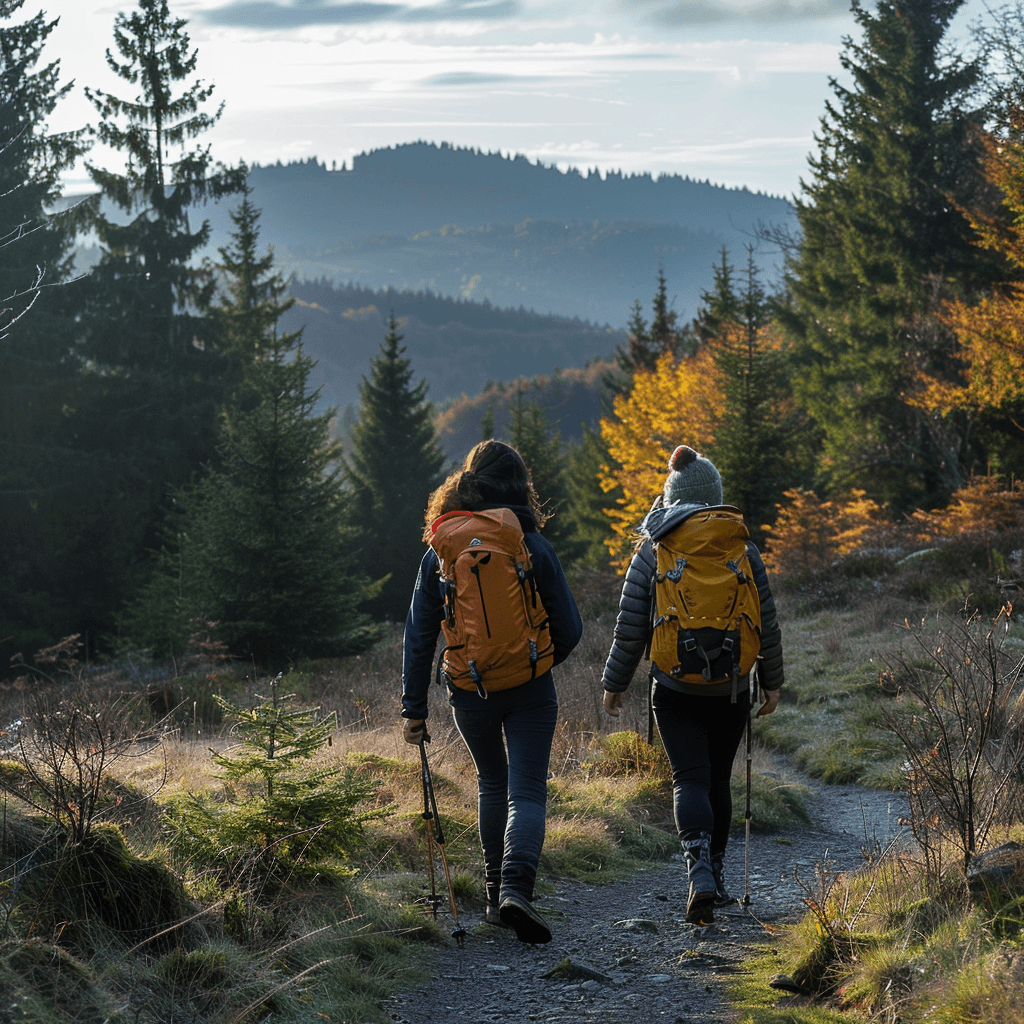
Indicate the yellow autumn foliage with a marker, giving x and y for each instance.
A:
(676, 403)
(990, 332)
(810, 533)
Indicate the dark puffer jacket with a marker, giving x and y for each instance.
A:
(633, 625)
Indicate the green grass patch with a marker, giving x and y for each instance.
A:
(774, 803)
(756, 1002)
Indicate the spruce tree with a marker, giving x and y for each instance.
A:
(152, 381)
(531, 435)
(394, 464)
(882, 241)
(261, 544)
(254, 296)
(149, 298)
(638, 353)
(760, 443)
(584, 520)
(664, 334)
(645, 344)
(718, 303)
(42, 484)
(286, 807)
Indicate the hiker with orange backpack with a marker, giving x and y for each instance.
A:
(493, 586)
(696, 598)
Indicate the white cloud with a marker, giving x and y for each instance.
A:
(561, 77)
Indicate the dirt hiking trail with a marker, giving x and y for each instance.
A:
(623, 953)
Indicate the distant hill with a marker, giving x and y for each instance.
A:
(570, 399)
(465, 224)
(459, 347)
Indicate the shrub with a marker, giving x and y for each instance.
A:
(960, 720)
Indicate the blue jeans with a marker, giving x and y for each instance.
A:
(701, 736)
(509, 738)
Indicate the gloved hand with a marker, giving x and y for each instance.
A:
(771, 702)
(613, 703)
(414, 730)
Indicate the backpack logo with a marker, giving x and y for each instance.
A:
(706, 610)
(495, 627)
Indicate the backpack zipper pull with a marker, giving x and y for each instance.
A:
(478, 680)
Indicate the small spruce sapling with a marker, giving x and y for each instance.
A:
(285, 806)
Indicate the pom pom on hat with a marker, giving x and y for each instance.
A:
(692, 478)
(681, 457)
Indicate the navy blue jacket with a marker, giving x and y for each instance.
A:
(423, 622)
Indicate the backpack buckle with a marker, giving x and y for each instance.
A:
(676, 574)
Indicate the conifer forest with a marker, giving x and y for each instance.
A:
(164, 457)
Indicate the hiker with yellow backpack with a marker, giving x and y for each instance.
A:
(696, 598)
(495, 590)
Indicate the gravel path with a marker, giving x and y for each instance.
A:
(623, 953)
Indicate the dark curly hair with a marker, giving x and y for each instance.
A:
(493, 474)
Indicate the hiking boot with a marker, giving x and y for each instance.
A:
(492, 915)
(700, 902)
(521, 917)
(722, 897)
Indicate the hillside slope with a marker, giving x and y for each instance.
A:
(457, 347)
(466, 224)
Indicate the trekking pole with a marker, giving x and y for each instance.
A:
(433, 900)
(753, 689)
(650, 710)
(436, 835)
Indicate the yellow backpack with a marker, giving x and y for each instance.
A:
(495, 627)
(706, 609)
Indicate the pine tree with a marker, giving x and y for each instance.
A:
(394, 464)
(296, 811)
(41, 482)
(646, 344)
(152, 381)
(261, 544)
(718, 303)
(881, 243)
(531, 435)
(760, 443)
(148, 297)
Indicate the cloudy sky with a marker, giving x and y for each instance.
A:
(728, 90)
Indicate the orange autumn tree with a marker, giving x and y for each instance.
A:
(990, 332)
(676, 403)
(809, 533)
(983, 509)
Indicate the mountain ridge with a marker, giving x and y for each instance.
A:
(465, 224)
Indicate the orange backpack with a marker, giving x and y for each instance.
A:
(706, 609)
(495, 627)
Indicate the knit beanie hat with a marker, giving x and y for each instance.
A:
(692, 478)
